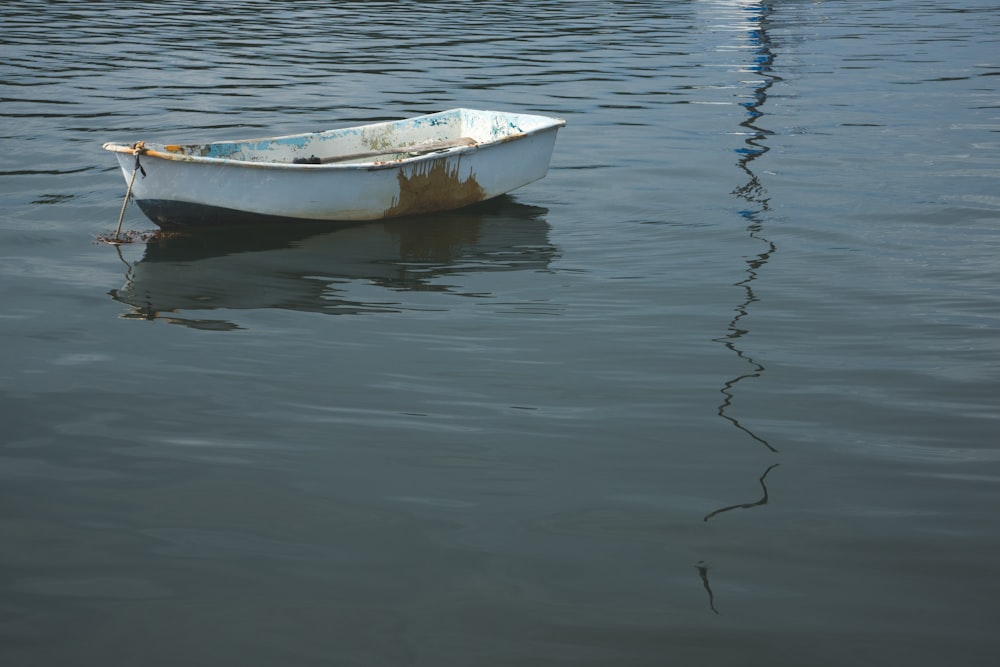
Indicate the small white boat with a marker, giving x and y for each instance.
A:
(430, 163)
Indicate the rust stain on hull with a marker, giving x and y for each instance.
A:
(434, 188)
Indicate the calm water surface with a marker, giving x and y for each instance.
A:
(721, 390)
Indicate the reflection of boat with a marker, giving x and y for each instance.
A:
(383, 170)
(312, 268)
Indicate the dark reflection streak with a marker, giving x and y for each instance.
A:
(754, 194)
(758, 203)
(746, 506)
(129, 270)
(703, 573)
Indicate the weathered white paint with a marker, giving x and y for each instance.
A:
(418, 165)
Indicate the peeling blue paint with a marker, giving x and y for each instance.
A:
(371, 144)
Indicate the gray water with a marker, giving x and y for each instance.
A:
(722, 389)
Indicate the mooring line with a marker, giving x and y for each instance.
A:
(137, 149)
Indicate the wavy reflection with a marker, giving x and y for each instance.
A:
(756, 198)
(745, 506)
(757, 203)
(702, 568)
(314, 268)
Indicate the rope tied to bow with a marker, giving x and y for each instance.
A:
(138, 148)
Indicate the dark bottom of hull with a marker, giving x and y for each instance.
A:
(167, 214)
(170, 214)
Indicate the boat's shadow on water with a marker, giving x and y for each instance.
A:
(317, 268)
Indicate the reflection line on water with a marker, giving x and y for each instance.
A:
(756, 196)
(745, 506)
(702, 568)
(754, 193)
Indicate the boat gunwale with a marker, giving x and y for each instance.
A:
(553, 124)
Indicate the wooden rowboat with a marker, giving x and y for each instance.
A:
(425, 164)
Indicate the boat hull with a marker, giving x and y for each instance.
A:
(189, 185)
